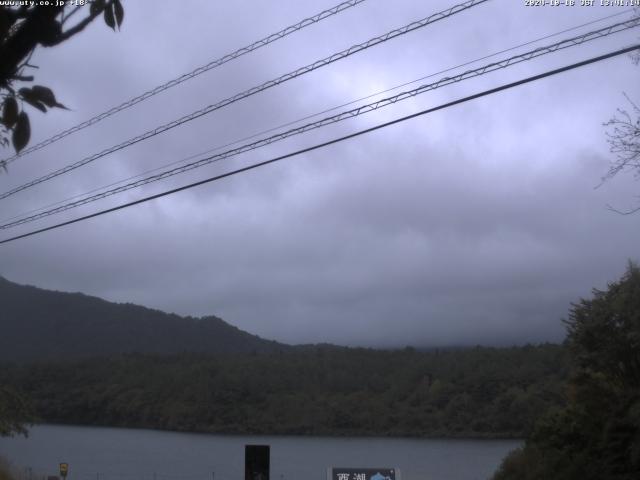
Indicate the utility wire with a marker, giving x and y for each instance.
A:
(252, 91)
(331, 142)
(307, 117)
(514, 60)
(188, 76)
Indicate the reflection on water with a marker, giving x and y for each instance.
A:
(126, 454)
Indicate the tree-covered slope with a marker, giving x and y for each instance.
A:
(43, 324)
(478, 392)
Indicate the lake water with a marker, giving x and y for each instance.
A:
(125, 454)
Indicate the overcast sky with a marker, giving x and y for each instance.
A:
(478, 224)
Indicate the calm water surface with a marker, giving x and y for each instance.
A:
(126, 454)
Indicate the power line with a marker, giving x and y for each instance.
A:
(307, 117)
(188, 76)
(252, 91)
(331, 142)
(492, 67)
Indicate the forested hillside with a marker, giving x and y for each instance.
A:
(479, 392)
(43, 324)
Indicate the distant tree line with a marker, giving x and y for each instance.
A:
(16, 412)
(477, 392)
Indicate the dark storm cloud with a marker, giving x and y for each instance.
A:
(478, 224)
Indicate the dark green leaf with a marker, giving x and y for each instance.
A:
(39, 105)
(10, 112)
(5, 23)
(32, 99)
(45, 95)
(96, 7)
(28, 96)
(119, 11)
(109, 19)
(21, 132)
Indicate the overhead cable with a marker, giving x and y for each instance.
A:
(491, 67)
(252, 91)
(188, 76)
(330, 142)
(313, 115)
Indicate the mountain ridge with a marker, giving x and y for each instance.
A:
(41, 324)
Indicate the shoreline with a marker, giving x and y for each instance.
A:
(336, 436)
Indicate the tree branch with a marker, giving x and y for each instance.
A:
(32, 30)
(82, 24)
(65, 18)
(23, 78)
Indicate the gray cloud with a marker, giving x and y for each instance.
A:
(477, 224)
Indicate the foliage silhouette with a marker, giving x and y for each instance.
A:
(23, 28)
(597, 434)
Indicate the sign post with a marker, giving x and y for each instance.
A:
(363, 474)
(256, 462)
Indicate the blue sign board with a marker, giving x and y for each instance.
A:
(363, 474)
